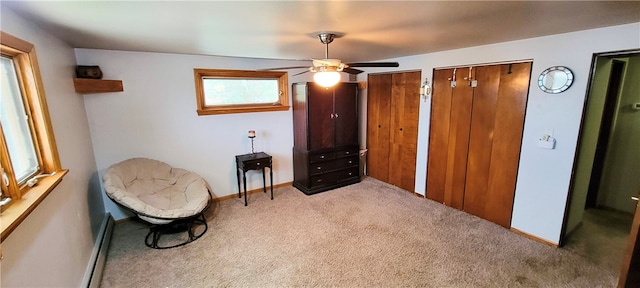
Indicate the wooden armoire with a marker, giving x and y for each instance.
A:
(477, 119)
(393, 106)
(325, 136)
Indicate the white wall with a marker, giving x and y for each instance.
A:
(52, 246)
(155, 117)
(543, 175)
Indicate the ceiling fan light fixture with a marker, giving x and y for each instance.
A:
(326, 79)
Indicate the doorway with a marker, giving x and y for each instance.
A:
(607, 167)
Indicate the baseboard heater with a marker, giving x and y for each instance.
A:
(93, 275)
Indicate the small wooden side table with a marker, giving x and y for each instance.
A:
(253, 161)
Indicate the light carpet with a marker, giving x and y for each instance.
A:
(369, 234)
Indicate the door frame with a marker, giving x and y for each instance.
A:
(592, 71)
(632, 249)
(602, 146)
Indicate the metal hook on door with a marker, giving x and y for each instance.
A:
(453, 78)
(470, 81)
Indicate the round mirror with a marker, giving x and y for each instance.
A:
(555, 79)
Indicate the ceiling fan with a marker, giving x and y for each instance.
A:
(326, 70)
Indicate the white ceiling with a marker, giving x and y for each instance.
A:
(373, 30)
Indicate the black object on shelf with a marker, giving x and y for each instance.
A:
(88, 72)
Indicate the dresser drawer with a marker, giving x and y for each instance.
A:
(347, 152)
(317, 157)
(326, 179)
(330, 165)
(347, 174)
(346, 162)
(322, 167)
(256, 164)
(334, 177)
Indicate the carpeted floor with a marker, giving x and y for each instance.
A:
(369, 234)
(602, 237)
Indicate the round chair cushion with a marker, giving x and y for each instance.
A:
(155, 191)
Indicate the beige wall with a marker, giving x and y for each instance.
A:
(52, 247)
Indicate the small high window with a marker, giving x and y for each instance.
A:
(240, 91)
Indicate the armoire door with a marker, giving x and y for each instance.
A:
(393, 104)
(345, 116)
(320, 117)
(478, 126)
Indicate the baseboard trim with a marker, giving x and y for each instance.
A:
(259, 190)
(93, 275)
(534, 238)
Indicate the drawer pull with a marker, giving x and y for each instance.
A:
(350, 162)
(319, 180)
(347, 153)
(321, 156)
(350, 173)
(258, 163)
(319, 168)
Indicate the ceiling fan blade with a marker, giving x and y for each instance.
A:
(305, 71)
(352, 71)
(374, 64)
(282, 68)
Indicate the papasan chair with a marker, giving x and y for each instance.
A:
(172, 200)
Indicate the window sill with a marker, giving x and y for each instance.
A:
(241, 109)
(18, 210)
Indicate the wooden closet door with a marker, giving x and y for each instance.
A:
(439, 134)
(507, 141)
(320, 107)
(378, 125)
(460, 123)
(405, 106)
(481, 139)
(495, 140)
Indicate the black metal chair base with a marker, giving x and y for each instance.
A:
(181, 225)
